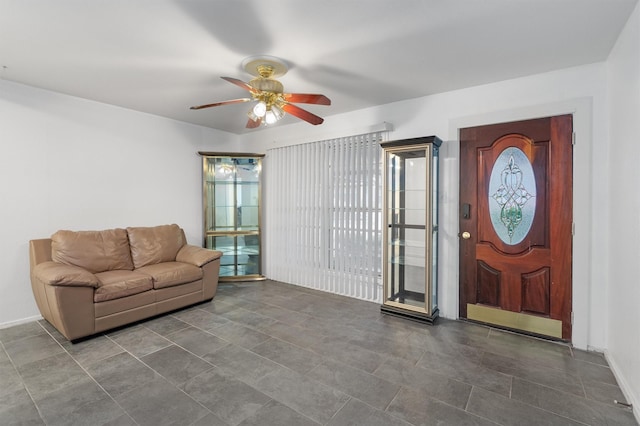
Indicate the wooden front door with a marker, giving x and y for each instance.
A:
(516, 225)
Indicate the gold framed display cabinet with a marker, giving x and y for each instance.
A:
(232, 212)
(410, 212)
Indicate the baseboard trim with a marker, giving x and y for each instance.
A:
(624, 386)
(20, 321)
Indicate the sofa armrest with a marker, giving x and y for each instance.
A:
(59, 274)
(197, 256)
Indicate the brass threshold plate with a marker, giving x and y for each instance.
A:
(515, 320)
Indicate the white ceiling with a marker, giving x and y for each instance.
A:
(162, 56)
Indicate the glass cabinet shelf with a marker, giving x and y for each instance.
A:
(407, 192)
(404, 243)
(231, 209)
(411, 223)
(407, 261)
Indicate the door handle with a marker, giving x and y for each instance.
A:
(466, 235)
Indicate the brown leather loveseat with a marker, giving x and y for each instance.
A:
(86, 282)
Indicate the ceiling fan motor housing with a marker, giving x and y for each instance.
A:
(266, 85)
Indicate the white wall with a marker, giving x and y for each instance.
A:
(71, 163)
(76, 164)
(581, 91)
(68, 163)
(623, 198)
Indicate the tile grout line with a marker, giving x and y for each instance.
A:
(466, 406)
(156, 372)
(96, 382)
(218, 367)
(86, 373)
(24, 386)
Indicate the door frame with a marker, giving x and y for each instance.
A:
(581, 109)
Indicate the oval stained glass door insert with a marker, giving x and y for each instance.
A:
(512, 195)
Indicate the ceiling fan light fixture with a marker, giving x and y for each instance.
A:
(260, 109)
(270, 117)
(252, 115)
(273, 114)
(277, 112)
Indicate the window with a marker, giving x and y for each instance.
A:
(323, 215)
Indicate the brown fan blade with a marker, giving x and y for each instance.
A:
(302, 114)
(252, 124)
(240, 83)
(307, 98)
(232, 101)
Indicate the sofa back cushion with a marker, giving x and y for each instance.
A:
(157, 244)
(95, 251)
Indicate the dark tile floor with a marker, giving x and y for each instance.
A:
(268, 353)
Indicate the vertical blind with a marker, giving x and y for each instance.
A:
(323, 215)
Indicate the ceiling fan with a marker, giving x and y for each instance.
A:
(272, 103)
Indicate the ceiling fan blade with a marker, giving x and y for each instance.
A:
(232, 101)
(307, 98)
(240, 83)
(252, 124)
(302, 114)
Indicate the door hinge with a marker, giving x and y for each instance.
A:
(571, 317)
(573, 228)
(573, 138)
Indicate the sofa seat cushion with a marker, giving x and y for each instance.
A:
(169, 274)
(118, 284)
(95, 251)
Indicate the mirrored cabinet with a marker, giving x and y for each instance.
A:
(231, 203)
(410, 207)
